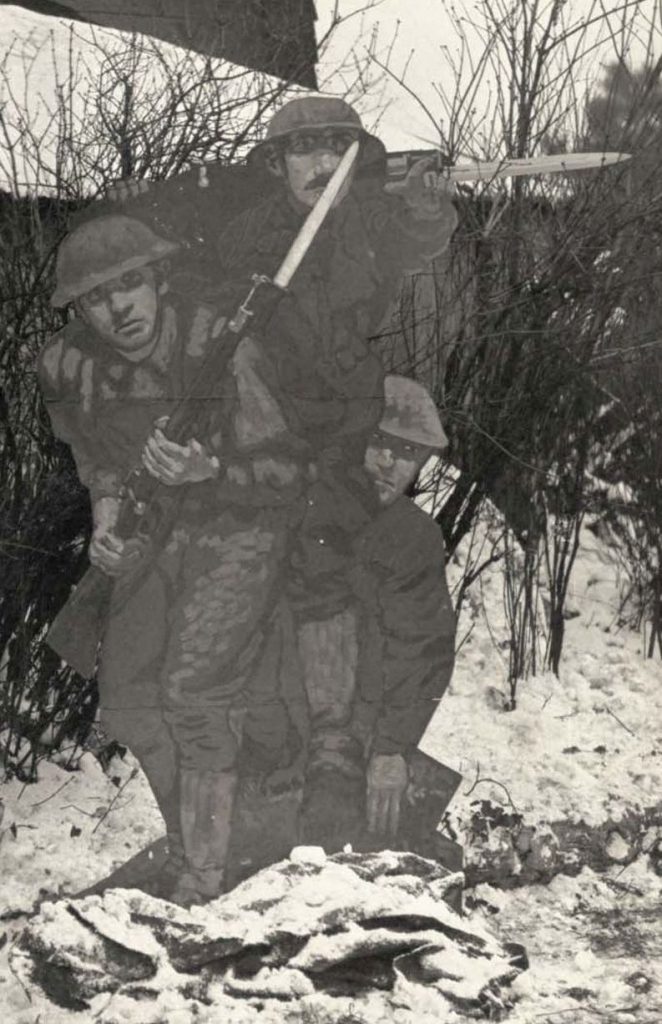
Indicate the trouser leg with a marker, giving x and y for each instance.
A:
(272, 755)
(219, 628)
(206, 813)
(333, 806)
(131, 706)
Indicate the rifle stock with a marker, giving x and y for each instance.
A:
(77, 629)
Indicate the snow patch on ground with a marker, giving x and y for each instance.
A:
(71, 828)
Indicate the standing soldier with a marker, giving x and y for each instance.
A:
(196, 624)
(331, 383)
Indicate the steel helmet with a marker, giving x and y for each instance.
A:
(103, 248)
(410, 414)
(309, 113)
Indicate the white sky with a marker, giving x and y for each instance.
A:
(416, 35)
(427, 42)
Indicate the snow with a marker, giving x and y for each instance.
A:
(580, 748)
(585, 747)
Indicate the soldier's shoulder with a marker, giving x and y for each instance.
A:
(61, 355)
(421, 530)
(405, 537)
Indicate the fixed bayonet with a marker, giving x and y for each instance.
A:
(399, 164)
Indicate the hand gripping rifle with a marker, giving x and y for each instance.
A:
(78, 628)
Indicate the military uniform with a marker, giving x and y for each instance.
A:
(186, 636)
(331, 386)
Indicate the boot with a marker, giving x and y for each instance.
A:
(159, 767)
(206, 801)
(156, 868)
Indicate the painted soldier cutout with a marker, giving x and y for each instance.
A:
(262, 505)
(404, 637)
(195, 624)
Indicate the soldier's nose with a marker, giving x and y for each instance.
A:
(325, 160)
(118, 302)
(385, 457)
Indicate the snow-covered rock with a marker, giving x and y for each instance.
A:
(351, 925)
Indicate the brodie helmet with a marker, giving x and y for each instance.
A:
(101, 249)
(311, 114)
(410, 414)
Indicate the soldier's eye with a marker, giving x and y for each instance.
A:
(301, 143)
(339, 142)
(132, 279)
(95, 297)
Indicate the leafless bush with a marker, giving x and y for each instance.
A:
(510, 329)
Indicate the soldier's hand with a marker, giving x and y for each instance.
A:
(113, 556)
(175, 464)
(425, 190)
(387, 781)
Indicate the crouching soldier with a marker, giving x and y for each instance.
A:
(374, 672)
(195, 623)
(371, 702)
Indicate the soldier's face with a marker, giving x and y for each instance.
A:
(124, 311)
(393, 464)
(311, 158)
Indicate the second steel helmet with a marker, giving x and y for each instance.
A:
(101, 249)
(410, 413)
(314, 113)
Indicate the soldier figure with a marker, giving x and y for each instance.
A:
(367, 720)
(195, 625)
(199, 654)
(330, 382)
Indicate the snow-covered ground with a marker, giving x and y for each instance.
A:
(582, 747)
(585, 747)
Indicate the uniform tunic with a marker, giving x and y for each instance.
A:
(407, 626)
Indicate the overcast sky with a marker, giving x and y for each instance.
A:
(427, 43)
(416, 35)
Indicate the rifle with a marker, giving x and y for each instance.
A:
(77, 630)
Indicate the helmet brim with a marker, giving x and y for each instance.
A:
(65, 294)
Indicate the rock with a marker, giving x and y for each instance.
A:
(308, 855)
(503, 850)
(543, 853)
(617, 849)
(347, 926)
(655, 857)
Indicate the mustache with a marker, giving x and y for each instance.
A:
(319, 181)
